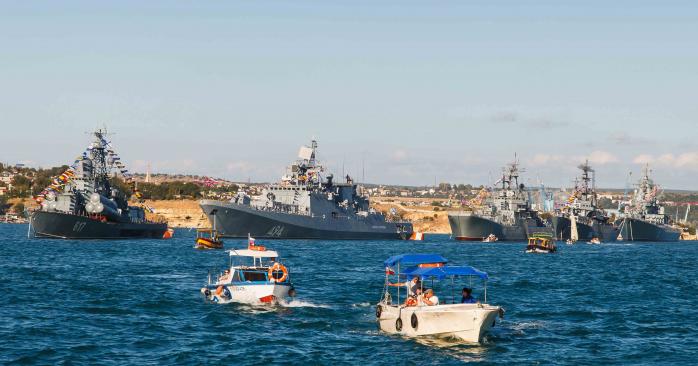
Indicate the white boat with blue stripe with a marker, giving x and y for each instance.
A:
(255, 276)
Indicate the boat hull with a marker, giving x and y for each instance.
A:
(238, 221)
(67, 226)
(250, 294)
(563, 230)
(476, 228)
(205, 243)
(467, 322)
(640, 230)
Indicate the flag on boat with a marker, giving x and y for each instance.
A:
(250, 241)
(389, 271)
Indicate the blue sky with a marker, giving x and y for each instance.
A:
(446, 90)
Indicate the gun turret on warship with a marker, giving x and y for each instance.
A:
(303, 206)
(643, 218)
(82, 203)
(582, 206)
(506, 212)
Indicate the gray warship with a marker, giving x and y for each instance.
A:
(506, 213)
(643, 218)
(81, 203)
(582, 206)
(303, 206)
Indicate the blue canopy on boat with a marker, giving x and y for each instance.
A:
(414, 259)
(442, 272)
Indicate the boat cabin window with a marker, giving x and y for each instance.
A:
(254, 276)
(236, 276)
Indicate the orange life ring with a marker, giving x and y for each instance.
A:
(411, 301)
(219, 290)
(278, 267)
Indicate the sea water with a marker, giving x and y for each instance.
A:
(138, 302)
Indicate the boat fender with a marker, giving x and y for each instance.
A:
(207, 293)
(414, 321)
(379, 311)
(398, 324)
(292, 292)
(226, 293)
(219, 290)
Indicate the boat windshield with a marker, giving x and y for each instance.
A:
(251, 262)
(254, 276)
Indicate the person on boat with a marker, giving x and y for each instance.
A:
(411, 285)
(415, 299)
(429, 298)
(225, 276)
(467, 296)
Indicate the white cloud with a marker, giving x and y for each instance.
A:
(399, 155)
(596, 157)
(545, 159)
(602, 157)
(238, 167)
(643, 159)
(684, 160)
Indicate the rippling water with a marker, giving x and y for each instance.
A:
(89, 302)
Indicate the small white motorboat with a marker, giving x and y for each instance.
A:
(490, 239)
(413, 316)
(254, 276)
(594, 240)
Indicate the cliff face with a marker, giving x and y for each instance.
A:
(427, 219)
(180, 213)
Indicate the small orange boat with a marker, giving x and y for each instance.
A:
(208, 239)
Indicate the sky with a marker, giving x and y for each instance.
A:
(415, 92)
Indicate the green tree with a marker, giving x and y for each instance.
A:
(3, 204)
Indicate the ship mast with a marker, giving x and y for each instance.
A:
(99, 160)
(588, 190)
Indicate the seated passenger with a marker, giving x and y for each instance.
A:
(225, 276)
(468, 296)
(414, 299)
(429, 298)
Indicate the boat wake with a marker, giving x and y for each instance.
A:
(302, 304)
(361, 305)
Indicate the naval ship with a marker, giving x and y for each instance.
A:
(303, 206)
(582, 207)
(643, 218)
(82, 203)
(506, 212)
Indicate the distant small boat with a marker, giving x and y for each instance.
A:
(208, 239)
(594, 240)
(417, 235)
(490, 239)
(168, 234)
(541, 243)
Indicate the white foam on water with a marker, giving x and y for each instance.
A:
(527, 325)
(361, 305)
(302, 304)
